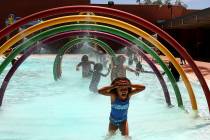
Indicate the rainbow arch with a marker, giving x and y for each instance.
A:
(118, 13)
(75, 33)
(124, 25)
(122, 14)
(95, 27)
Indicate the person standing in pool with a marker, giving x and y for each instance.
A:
(119, 69)
(130, 55)
(120, 92)
(174, 71)
(182, 60)
(139, 67)
(96, 77)
(86, 66)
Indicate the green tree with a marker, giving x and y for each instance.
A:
(158, 2)
(147, 2)
(138, 1)
(167, 2)
(178, 2)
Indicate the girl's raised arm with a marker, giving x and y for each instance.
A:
(106, 90)
(136, 88)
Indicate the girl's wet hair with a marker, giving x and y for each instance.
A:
(84, 58)
(120, 79)
(117, 82)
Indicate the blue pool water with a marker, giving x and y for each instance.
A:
(36, 107)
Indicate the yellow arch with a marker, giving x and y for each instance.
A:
(110, 21)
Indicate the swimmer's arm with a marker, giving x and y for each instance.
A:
(131, 70)
(80, 63)
(106, 73)
(136, 89)
(77, 68)
(105, 91)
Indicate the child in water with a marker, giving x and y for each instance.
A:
(120, 92)
(139, 67)
(97, 76)
(119, 68)
(86, 66)
(130, 56)
(174, 71)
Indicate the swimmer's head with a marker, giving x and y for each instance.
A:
(84, 58)
(98, 67)
(121, 59)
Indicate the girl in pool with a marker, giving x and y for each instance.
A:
(120, 92)
(86, 66)
(96, 76)
(119, 68)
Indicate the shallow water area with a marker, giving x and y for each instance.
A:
(36, 107)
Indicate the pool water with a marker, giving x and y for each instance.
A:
(36, 107)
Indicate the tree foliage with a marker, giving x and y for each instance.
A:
(147, 2)
(167, 2)
(158, 2)
(138, 1)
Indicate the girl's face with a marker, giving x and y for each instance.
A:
(122, 92)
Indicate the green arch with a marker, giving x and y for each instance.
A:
(70, 44)
(131, 38)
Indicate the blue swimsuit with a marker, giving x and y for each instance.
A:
(119, 111)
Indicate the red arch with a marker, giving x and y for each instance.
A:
(123, 15)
